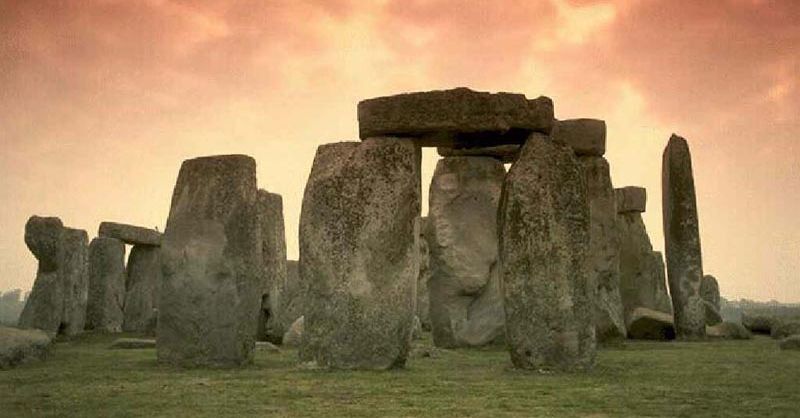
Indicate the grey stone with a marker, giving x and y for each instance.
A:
(294, 335)
(104, 309)
(712, 314)
(648, 324)
(423, 297)
(462, 240)
(758, 324)
(129, 234)
(292, 296)
(142, 287)
(728, 331)
(505, 153)
(584, 136)
(43, 236)
(456, 117)
(544, 239)
(785, 327)
(604, 249)
(267, 346)
(359, 253)
(133, 344)
(272, 324)
(18, 346)
(74, 271)
(709, 290)
(682, 239)
(416, 329)
(791, 342)
(211, 265)
(631, 199)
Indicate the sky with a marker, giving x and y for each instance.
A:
(101, 101)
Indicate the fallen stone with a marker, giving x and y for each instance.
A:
(784, 328)
(584, 136)
(294, 335)
(272, 323)
(631, 199)
(544, 224)
(505, 153)
(423, 296)
(129, 234)
(457, 117)
(211, 265)
(682, 239)
(267, 346)
(104, 309)
(758, 324)
(19, 346)
(143, 283)
(648, 324)
(133, 343)
(728, 330)
(791, 342)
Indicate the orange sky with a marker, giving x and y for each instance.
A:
(100, 101)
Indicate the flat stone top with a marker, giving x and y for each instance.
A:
(585, 136)
(442, 117)
(507, 153)
(631, 199)
(129, 234)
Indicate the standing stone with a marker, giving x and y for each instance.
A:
(682, 239)
(272, 325)
(544, 238)
(143, 283)
(74, 271)
(423, 296)
(292, 296)
(604, 251)
(211, 265)
(359, 253)
(462, 240)
(709, 291)
(104, 310)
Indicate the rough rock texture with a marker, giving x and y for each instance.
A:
(133, 343)
(19, 346)
(682, 239)
(416, 329)
(104, 310)
(465, 309)
(785, 328)
(728, 330)
(271, 324)
(143, 284)
(648, 324)
(758, 324)
(359, 253)
(544, 238)
(129, 234)
(74, 271)
(604, 248)
(294, 334)
(211, 264)
(631, 199)
(292, 296)
(423, 297)
(455, 117)
(506, 153)
(584, 136)
(709, 290)
(790, 343)
(712, 314)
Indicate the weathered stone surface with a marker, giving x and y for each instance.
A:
(584, 136)
(294, 335)
(133, 344)
(648, 324)
(462, 240)
(790, 343)
(631, 199)
(359, 253)
(728, 330)
(43, 236)
(416, 329)
(785, 328)
(271, 324)
(506, 153)
(211, 265)
(709, 290)
(423, 296)
(104, 310)
(682, 239)
(143, 284)
(129, 234)
(604, 248)
(18, 346)
(74, 271)
(758, 324)
(712, 314)
(292, 296)
(457, 116)
(544, 239)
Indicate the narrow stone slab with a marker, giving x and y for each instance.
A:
(423, 293)
(129, 234)
(18, 346)
(143, 284)
(272, 324)
(584, 136)
(74, 272)
(631, 199)
(505, 153)
(447, 117)
(682, 239)
(106, 285)
(133, 344)
(647, 324)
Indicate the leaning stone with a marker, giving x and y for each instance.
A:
(682, 238)
(462, 240)
(791, 342)
(18, 346)
(647, 324)
(129, 234)
(106, 285)
(455, 117)
(272, 324)
(294, 335)
(143, 283)
(359, 253)
(544, 224)
(505, 153)
(785, 328)
(728, 330)
(631, 199)
(584, 136)
(709, 290)
(211, 264)
(133, 343)
(758, 324)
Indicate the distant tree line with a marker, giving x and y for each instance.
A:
(732, 310)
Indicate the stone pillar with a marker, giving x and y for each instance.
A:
(106, 285)
(211, 264)
(423, 295)
(682, 239)
(272, 324)
(709, 291)
(544, 238)
(143, 283)
(465, 309)
(359, 253)
(75, 276)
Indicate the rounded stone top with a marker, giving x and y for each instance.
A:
(43, 237)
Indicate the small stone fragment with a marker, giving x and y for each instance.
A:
(728, 330)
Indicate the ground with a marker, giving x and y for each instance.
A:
(83, 377)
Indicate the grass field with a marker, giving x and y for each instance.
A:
(638, 379)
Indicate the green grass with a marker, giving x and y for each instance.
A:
(638, 379)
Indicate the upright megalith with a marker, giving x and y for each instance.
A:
(709, 291)
(272, 324)
(682, 239)
(104, 309)
(211, 265)
(466, 308)
(544, 228)
(423, 294)
(74, 271)
(359, 253)
(142, 287)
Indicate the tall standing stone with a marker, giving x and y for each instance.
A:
(272, 324)
(682, 239)
(465, 309)
(104, 309)
(75, 276)
(709, 291)
(423, 295)
(142, 287)
(359, 253)
(211, 265)
(544, 238)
